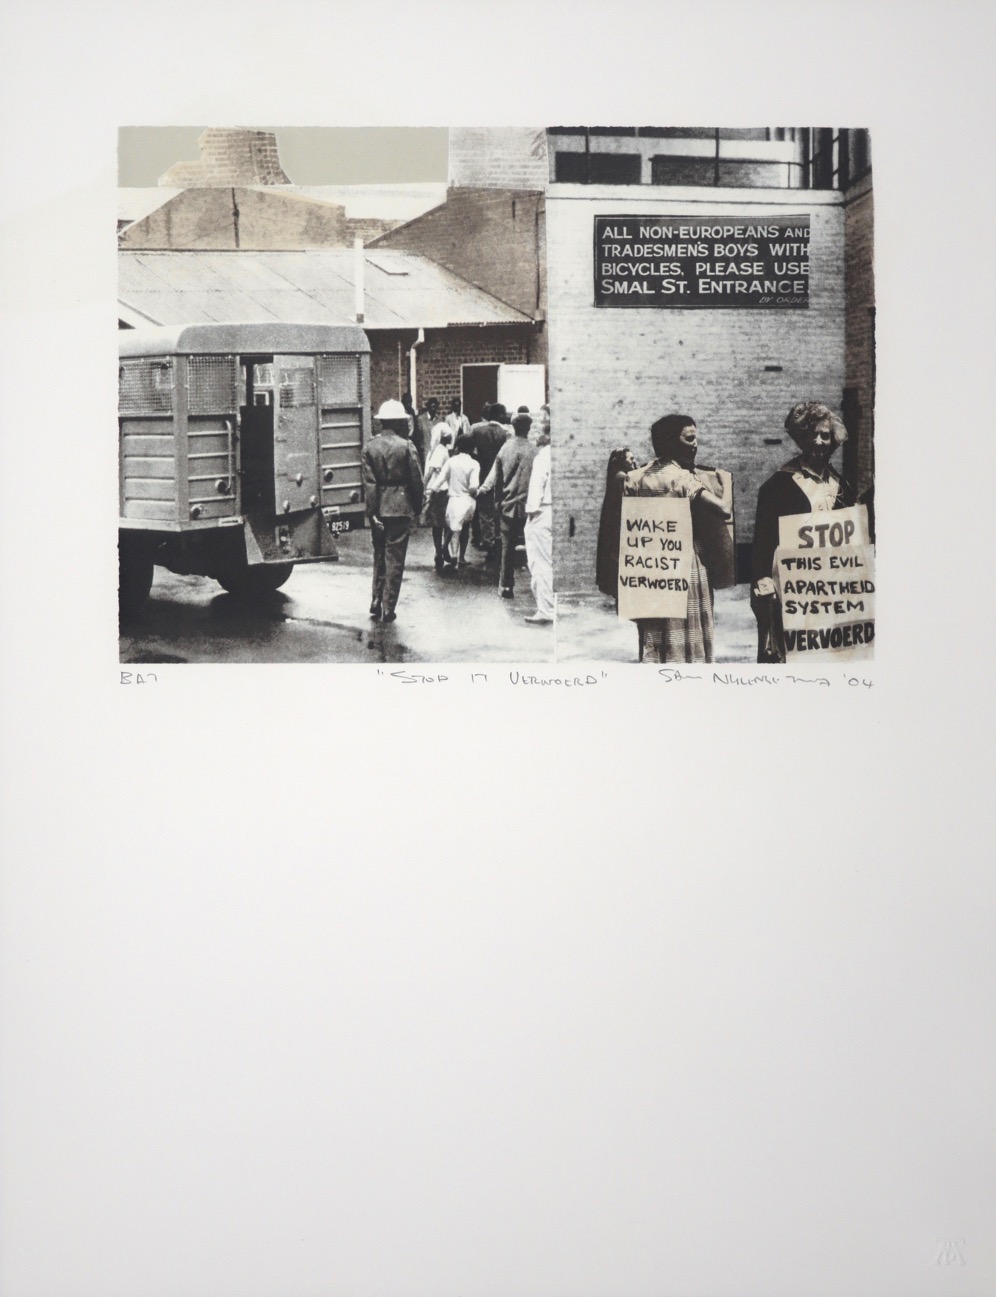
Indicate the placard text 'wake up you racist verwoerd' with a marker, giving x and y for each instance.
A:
(702, 261)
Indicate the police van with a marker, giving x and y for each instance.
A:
(240, 450)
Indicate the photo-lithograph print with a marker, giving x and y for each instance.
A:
(550, 394)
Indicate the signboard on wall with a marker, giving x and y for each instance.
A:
(702, 261)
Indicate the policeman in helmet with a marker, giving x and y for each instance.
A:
(393, 483)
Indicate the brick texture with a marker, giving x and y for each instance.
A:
(613, 371)
(440, 357)
(859, 234)
(502, 157)
(493, 238)
(229, 156)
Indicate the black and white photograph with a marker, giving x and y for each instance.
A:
(334, 419)
(469, 826)
(562, 318)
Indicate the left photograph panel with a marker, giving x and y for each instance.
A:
(333, 401)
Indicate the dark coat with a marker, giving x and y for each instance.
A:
(778, 497)
(488, 440)
(610, 523)
(392, 478)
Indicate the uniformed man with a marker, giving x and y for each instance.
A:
(392, 480)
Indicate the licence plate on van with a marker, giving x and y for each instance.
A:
(337, 524)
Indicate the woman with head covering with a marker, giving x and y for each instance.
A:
(688, 638)
(621, 462)
(806, 484)
(464, 479)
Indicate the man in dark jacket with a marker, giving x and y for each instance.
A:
(488, 436)
(392, 482)
(510, 477)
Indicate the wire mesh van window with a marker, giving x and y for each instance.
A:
(212, 385)
(339, 380)
(145, 386)
(297, 387)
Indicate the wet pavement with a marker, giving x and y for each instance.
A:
(322, 615)
(588, 629)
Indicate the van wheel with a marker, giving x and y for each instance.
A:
(135, 572)
(249, 582)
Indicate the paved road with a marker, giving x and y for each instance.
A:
(588, 629)
(322, 615)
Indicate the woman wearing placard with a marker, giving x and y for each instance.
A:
(675, 441)
(806, 484)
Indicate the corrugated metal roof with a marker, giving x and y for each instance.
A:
(316, 285)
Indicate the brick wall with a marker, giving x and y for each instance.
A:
(614, 371)
(490, 237)
(440, 357)
(230, 156)
(495, 239)
(445, 351)
(859, 234)
(498, 157)
(389, 364)
(366, 228)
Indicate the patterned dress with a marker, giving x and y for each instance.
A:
(676, 639)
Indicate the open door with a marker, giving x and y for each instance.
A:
(295, 434)
(521, 385)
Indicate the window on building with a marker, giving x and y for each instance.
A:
(666, 169)
(598, 168)
(822, 160)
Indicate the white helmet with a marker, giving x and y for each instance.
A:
(391, 410)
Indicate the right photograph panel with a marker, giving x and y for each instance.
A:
(710, 316)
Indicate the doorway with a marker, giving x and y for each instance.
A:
(479, 385)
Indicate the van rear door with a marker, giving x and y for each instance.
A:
(340, 397)
(295, 435)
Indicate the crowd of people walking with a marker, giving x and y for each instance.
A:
(807, 483)
(486, 486)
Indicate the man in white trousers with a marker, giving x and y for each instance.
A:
(539, 535)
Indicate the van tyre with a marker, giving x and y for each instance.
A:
(250, 582)
(135, 572)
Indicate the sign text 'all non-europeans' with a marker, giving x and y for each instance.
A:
(702, 261)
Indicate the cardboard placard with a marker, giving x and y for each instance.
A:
(825, 580)
(824, 530)
(655, 556)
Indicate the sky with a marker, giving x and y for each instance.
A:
(309, 155)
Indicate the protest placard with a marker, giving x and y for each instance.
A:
(655, 557)
(825, 580)
(824, 530)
